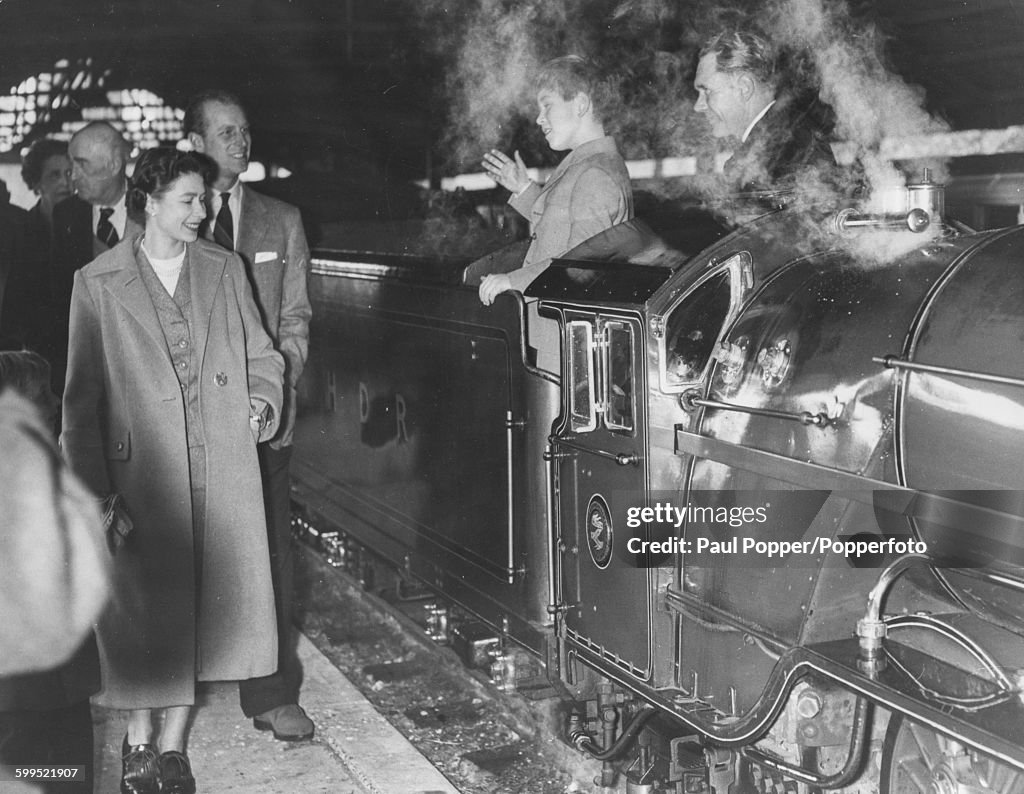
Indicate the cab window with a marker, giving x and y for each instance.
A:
(582, 412)
(696, 323)
(618, 397)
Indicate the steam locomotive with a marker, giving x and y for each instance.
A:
(764, 536)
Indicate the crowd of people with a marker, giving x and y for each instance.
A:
(180, 298)
(170, 313)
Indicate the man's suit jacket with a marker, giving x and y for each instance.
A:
(75, 244)
(28, 304)
(587, 193)
(790, 141)
(272, 243)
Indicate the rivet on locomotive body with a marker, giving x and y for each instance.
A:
(599, 531)
(732, 357)
(774, 361)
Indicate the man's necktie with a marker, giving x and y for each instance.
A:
(105, 231)
(224, 226)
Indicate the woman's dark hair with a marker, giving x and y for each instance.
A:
(36, 157)
(157, 169)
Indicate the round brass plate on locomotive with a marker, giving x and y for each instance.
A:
(599, 531)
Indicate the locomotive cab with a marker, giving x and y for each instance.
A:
(599, 463)
(619, 361)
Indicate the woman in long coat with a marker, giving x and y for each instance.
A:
(171, 381)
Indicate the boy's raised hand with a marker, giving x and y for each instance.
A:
(510, 174)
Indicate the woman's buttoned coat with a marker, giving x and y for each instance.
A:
(175, 617)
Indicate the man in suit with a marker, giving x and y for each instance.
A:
(28, 305)
(780, 136)
(587, 193)
(91, 221)
(96, 217)
(269, 237)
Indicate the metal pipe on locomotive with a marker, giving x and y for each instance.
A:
(819, 447)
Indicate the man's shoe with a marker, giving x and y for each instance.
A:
(176, 774)
(289, 723)
(140, 769)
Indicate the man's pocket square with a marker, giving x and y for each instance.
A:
(265, 256)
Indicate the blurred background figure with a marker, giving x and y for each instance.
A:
(46, 169)
(30, 313)
(53, 584)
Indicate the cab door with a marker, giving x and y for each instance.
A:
(600, 472)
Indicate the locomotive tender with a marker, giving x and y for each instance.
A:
(766, 535)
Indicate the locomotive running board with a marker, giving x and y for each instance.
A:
(994, 731)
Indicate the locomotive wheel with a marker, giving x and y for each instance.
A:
(917, 760)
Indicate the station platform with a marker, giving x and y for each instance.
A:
(355, 749)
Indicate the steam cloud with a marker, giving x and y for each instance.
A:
(870, 102)
(493, 47)
(488, 85)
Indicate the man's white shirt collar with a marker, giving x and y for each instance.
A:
(118, 219)
(757, 118)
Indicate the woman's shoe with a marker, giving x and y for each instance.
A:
(176, 773)
(140, 769)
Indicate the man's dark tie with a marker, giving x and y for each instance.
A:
(224, 226)
(105, 230)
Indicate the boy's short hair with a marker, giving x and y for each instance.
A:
(570, 75)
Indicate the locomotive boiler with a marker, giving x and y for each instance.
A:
(766, 533)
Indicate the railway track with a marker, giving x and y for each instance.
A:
(484, 740)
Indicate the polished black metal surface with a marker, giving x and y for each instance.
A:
(851, 396)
